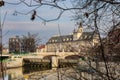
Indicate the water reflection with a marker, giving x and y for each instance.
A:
(22, 73)
(32, 69)
(12, 74)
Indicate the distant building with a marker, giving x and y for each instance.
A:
(78, 41)
(41, 48)
(5, 50)
(21, 45)
(28, 45)
(14, 44)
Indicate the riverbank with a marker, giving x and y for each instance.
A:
(13, 63)
(58, 74)
(18, 74)
(39, 74)
(53, 74)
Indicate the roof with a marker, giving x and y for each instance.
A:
(57, 39)
(86, 36)
(69, 38)
(41, 47)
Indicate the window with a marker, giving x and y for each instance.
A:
(85, 36)
(89, 37)
(16, 40)
(64, 39)
(53, 40)
(67, 39)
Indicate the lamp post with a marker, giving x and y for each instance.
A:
(1, 49)
(1, 4)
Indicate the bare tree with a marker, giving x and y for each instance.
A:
(30, 42)
(99, 15)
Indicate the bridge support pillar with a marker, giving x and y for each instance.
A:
(54, 61)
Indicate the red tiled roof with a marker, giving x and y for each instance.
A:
(41, 46)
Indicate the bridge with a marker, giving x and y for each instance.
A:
(54, 57)
(4, 56)
(48, 55)
(44, 55)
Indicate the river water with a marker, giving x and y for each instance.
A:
(24, 73)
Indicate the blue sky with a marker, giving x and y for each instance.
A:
(21, 24)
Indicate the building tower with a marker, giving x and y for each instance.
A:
(77, 33)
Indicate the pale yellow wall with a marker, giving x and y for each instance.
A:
(66, 46)
(5, 51)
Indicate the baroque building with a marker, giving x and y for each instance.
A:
(78, 41)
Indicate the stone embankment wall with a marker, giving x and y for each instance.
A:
(13, 63)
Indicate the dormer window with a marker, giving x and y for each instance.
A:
(89, 37)
(67, 39)
(64, 39)
(85, 36)
(53, 40)
(16, 40)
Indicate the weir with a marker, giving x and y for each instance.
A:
(52, 63)
(67, 63)
(36, 62)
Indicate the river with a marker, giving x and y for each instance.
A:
(25, 73)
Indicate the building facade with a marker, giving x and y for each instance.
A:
(41, 48)
(28, 45)
(14, 44)
(21, 45)
(78, 41)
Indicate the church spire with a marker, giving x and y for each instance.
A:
(80, 25)
(80, 28)
(78, 32)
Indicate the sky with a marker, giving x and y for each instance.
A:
(21, 24)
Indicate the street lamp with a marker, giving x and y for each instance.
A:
(1, 4)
